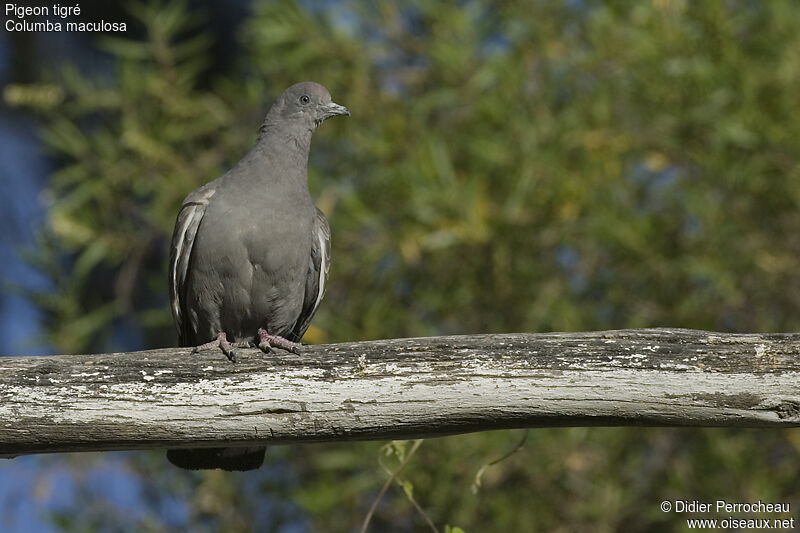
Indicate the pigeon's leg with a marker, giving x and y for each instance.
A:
(267, 341)
(222, 343)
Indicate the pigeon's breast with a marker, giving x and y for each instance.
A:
(255, 263)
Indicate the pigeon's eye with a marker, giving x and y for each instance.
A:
(305, 99)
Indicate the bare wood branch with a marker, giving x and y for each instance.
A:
(398, 389)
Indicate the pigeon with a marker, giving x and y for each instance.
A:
(250, 253)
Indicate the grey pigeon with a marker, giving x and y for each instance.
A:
(250, 252)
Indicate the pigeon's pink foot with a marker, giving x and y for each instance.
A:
(266, 342)
(222, 343)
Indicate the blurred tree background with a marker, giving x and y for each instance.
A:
(508, 166)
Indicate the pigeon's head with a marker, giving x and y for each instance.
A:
(306, 104)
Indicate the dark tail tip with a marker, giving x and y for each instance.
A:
(230, 459)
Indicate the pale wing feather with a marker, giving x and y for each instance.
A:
(186, 227)
(317, 275)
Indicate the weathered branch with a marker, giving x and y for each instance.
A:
(400, 388)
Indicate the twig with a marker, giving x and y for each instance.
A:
(476, 485)
(388, 483)
(411, 498)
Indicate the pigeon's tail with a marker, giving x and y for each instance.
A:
(231, 459)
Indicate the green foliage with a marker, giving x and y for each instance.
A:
(128, 152)
(525, 166)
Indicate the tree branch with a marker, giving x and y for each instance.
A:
(398, 389)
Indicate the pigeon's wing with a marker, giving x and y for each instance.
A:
(317, 275)
(189, 219)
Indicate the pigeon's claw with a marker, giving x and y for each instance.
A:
(264, 345)
(266, 342)
(222, 343)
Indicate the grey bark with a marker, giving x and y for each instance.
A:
(398, 389)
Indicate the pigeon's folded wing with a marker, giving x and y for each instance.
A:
(186, 227)
(317, 275)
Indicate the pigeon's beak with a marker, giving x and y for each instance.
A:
(332, 109)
